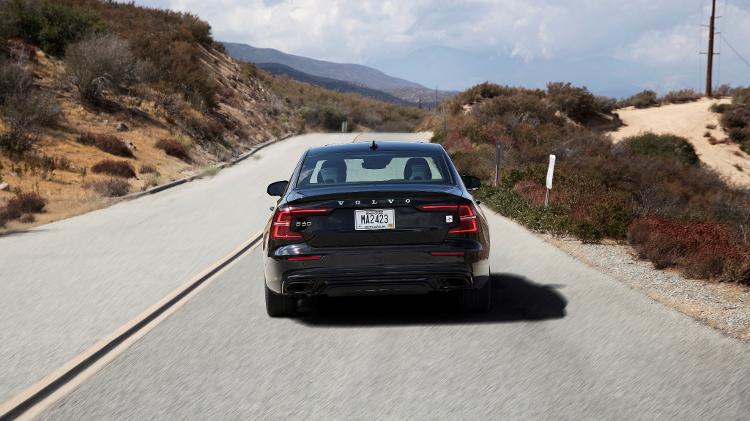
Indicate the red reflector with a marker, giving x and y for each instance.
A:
(283, 221)
(447, 253)
(304, 258)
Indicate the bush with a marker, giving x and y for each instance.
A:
(681, 96)
(643, 99)
(719, 108)
(22, 204)
(173, 148)
(114, 168)
(23, 108)
(97, 63)
(663, 145)
(113, 187)
(701, 250)
(577, 103)
(49, 25)
(107, 143)
(739, 134)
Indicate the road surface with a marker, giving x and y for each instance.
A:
(563, 341)
(65, 285)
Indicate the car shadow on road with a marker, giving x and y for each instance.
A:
(514, 298)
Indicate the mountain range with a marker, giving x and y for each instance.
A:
(342, 77)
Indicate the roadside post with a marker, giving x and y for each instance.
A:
(550, 174)
(344, 126)
(497, 163)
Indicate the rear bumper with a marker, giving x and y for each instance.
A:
(377, 270)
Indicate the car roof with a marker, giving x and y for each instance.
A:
(362, 146)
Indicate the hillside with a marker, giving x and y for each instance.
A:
(328, 83)
(650, 190)
(353, 73)
(693, 121)
(101, 99)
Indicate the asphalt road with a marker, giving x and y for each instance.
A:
(65, 285)
(563, 341)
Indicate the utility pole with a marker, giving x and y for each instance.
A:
(710, 61)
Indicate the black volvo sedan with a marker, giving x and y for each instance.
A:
(375, 218)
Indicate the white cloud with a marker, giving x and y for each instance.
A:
(653, 33)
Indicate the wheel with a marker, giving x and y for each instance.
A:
(476, 300)
(280, 305)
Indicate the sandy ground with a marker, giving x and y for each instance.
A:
(691, 121)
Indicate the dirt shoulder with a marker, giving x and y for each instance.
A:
(691, 120)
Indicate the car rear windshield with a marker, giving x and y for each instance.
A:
(381, 167)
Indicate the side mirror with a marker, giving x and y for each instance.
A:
(277, 188)
(472, 183)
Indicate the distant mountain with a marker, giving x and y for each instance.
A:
(346, 72)
(332, 84)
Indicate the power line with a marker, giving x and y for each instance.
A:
(734, 50)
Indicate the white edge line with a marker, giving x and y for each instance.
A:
(197, 284)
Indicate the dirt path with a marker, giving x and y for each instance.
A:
(690, 121)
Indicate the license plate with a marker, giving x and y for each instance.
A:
(374, 219)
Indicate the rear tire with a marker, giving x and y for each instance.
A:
(280, 305)
(477, 300)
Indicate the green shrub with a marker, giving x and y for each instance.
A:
(577, 103)
(719, 108)
(50, 25)
(643, 99)
(663, 145)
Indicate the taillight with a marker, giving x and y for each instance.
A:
(282, 223)
(466, 216)
(467, 219)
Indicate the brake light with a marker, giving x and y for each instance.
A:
(466, 216)
(282, 223)
(467, 219)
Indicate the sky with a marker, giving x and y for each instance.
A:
(615, 47)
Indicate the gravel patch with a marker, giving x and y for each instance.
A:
(723, 306)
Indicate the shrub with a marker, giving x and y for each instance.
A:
(23, 108)
(739, 134)
(173, 148)
(643, 99)
(97, 63)
(663, 145)
(113, 187)
(114, 168)
(107, 143)
(50, 25)
(681, 96)
(719, 108)
(702, 250)
(577, 103)
(22, 204)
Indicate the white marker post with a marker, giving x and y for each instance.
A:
(550, 174)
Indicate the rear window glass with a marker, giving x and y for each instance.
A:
(373, 168)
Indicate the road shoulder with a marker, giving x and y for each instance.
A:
(723, 306)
